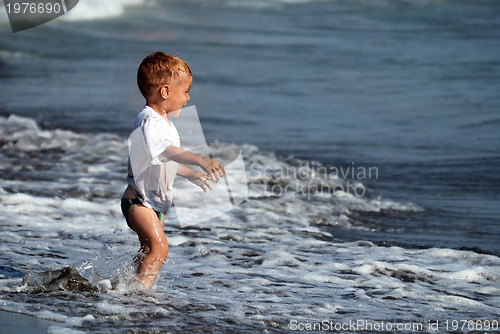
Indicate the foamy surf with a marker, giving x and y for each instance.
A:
(95, 9)
(270, 263)
(87, 10)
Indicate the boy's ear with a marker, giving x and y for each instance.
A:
(164, 91)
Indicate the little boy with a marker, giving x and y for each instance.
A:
(164, 81)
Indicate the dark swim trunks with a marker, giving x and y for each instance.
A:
(127, 204)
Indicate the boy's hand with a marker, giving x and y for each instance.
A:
(200, 179)
(216, 170)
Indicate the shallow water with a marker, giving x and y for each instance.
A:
(313, 92)
(271, 263)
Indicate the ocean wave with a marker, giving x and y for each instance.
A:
(98, 9)
(92, 9)
(269, 175)
(270, 258)
(84, 166)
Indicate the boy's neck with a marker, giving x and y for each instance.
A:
(160, 111)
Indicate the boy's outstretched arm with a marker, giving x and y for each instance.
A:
(211, 166)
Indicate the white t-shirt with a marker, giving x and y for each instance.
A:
(151, 174)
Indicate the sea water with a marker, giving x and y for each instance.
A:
(369, 131)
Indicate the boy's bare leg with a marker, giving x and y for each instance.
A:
(153, 242)
(140, 255)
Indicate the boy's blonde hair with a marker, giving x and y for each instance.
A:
(157, 69)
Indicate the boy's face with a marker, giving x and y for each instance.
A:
(179, 92)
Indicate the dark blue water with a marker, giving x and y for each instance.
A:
(410, 87)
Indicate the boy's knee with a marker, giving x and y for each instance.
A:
(161, 251)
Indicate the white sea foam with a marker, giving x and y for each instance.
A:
(265, 263)
(98, 9)
(93, 9)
